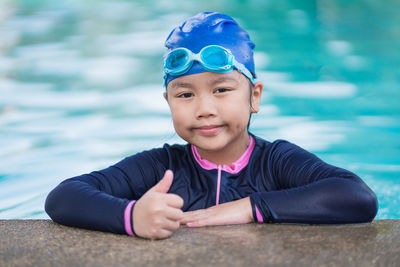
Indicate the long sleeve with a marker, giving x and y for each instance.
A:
(308, 190)
(98, 200)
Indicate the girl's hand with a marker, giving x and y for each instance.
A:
(234, 212)
(157, 214)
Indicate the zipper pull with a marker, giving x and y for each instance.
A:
(218, 185)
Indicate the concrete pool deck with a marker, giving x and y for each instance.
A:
(45, 243)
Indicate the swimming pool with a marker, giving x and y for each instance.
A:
(81, 87)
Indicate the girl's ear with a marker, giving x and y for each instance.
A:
(256, 97)
(166, 96)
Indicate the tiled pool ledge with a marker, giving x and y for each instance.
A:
(45, 243)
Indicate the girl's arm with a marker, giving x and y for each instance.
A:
(311, 191)
(99, 200)
(233, 212)
(94, 201)
(308, 190)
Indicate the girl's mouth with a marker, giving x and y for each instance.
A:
(209, 129)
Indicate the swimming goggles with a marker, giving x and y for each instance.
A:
(213, 58)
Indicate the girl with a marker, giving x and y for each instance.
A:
(224, 175)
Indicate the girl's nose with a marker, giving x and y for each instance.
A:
(205, 107)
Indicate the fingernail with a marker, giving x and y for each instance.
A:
(189, 224)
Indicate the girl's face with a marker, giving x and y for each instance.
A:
(211, 111)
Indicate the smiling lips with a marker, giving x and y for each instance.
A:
(209, 129)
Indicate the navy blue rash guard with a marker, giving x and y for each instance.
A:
(285, 183)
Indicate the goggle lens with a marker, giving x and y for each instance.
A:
(177, 59)
(215, 57)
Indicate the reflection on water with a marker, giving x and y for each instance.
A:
(81, 87)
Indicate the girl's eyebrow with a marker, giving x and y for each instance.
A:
(222, 79)
(181, 85)
(211, 82)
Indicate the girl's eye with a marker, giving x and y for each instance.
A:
(185, 95)
(221, 90)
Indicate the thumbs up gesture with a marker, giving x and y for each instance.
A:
(157, 213)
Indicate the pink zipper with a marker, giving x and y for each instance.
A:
(237, 166)
(218, 184)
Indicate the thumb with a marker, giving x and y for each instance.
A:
(164, 184)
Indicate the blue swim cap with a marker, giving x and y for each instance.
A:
(211, 28)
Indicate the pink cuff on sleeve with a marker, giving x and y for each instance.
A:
(128, 218)
(258, 215)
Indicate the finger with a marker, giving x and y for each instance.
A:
(174, 200)
(162, 233)
(188, 217)
(196, 224)
(173, 214)
(186, 220)
(194, 215)
(205, 222)
(171, 225)
(212, 220)
(164, 184)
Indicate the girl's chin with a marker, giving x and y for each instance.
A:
(209, 146)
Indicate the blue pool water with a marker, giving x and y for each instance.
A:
(81, 87)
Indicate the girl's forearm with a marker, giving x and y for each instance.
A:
(234, 212)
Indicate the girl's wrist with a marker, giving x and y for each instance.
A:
(249, 209)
